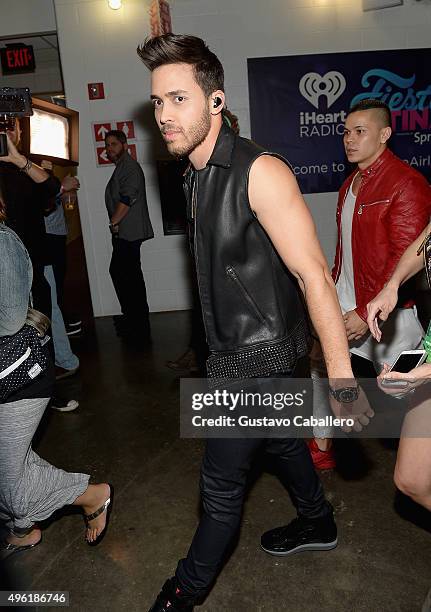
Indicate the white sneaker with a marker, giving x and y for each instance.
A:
(63, 405)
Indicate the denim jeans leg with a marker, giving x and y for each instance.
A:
(64, 356)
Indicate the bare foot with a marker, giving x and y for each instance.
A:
(93, 499)
(31, 538)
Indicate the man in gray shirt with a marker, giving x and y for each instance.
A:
(130, 225)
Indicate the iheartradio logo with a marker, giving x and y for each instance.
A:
(313, 85)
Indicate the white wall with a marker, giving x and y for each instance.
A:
(98, 44)
(26, 17)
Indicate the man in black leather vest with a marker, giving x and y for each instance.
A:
(251, 234)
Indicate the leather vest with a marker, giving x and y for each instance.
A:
(254, 318)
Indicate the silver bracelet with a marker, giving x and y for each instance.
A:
(27, 167)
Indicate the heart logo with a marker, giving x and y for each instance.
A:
(312, 86)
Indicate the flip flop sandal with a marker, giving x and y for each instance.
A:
(7, 549)
(105, 507)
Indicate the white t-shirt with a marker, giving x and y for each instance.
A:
(345, 284)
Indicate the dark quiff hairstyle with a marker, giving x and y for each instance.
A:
(372, 103)
(184, 49)
(118, 134)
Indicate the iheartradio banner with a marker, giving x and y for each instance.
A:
(298, 105)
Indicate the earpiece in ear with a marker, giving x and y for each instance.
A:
(217, 102)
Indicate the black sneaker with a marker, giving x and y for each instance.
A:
(301, 534)
(74, 328)
(171, 600)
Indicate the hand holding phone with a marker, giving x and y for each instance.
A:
(400, 384)
(405, 362)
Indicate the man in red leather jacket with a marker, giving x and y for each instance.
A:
(393, 205)
(382, 208)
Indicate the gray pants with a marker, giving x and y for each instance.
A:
(31, 489)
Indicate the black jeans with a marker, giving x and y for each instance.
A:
(41, 291)
(224, 472)
(129, 284)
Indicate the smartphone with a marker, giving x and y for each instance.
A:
(406, 361)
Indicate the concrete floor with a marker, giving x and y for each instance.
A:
(126, 432)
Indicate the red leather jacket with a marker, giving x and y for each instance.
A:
(392, 207)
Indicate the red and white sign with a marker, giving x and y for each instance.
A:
(100, 130)
(132, 151)
(102, 158)
(96, 91)
(127, 127)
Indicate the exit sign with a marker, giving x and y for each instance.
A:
(17, 58)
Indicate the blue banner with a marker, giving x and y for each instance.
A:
(298, 105)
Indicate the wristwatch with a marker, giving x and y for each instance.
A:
(345, 395)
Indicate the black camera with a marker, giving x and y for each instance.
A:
(14, 102)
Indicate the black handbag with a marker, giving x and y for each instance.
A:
(23, 356)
